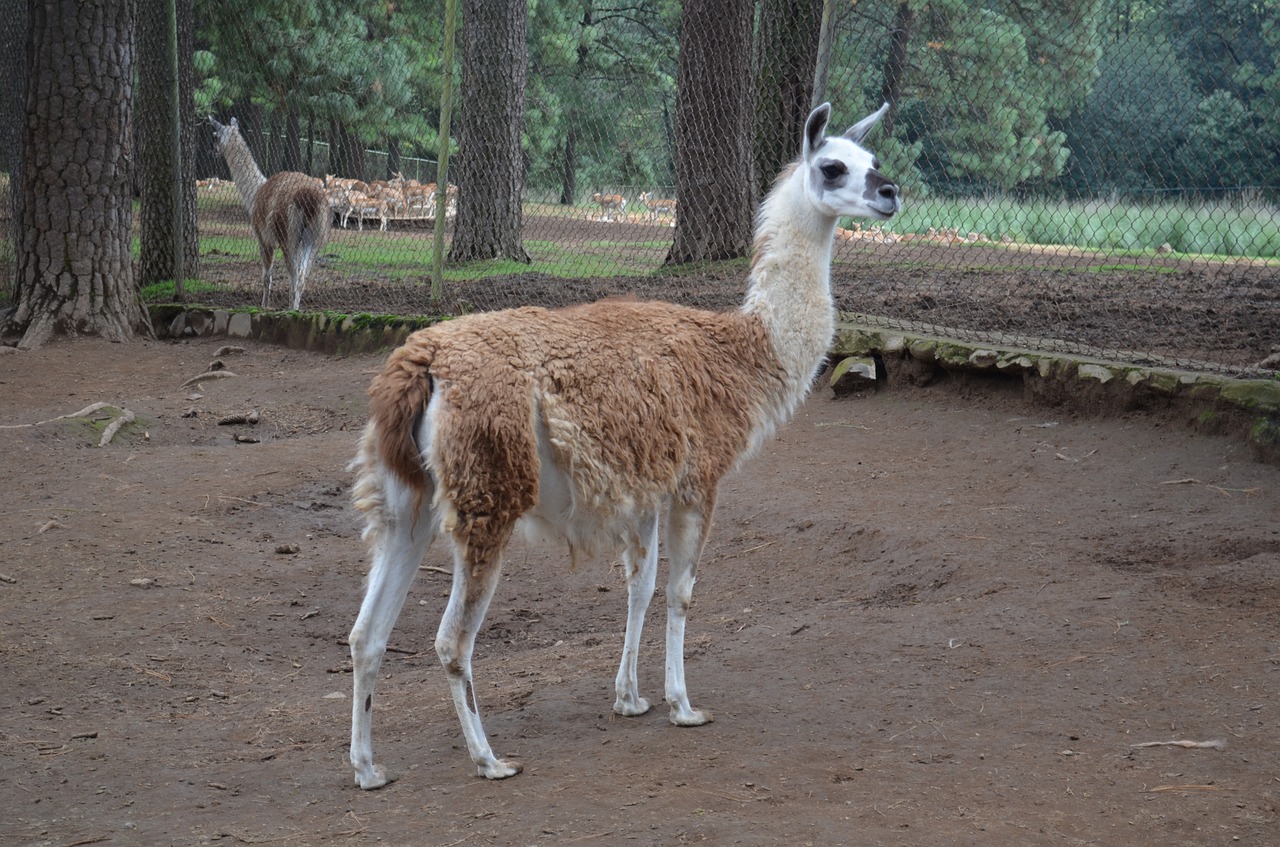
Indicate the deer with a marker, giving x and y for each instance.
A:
(365, 206)
(289, 210)
(658, 207)
(610, 203)
(606, 427)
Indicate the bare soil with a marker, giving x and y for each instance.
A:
(926, 616)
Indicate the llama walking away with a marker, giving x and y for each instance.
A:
(599, 426)
(290, 211)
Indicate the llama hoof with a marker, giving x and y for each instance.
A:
(690, 717)
(499, 769)
(376, 777)
(631, 708)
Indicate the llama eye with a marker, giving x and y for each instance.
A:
(875, 164)
(833, 170)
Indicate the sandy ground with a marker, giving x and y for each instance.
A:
(925, 616)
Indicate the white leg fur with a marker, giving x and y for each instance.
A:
(642, 575)
(268, 258)
(686, 535)
(398, 550)
(455, 644)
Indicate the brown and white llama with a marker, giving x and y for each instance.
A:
(290, 210)
(594, 425)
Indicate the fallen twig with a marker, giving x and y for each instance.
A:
(205, 376)
(1192, 787)
(1215, 744)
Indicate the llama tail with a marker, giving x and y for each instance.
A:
(309, 224)
(398, 399)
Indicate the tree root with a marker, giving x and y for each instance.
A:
(125, 418)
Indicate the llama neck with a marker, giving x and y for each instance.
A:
(790, 283)
(244, 170)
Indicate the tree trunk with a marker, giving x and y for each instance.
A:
(155, 143)
(393, 158)
(895, 65)
(786, 55)
(13, 69)
(490, 167)
(346, 152)
(713, 136)
(75, 269)
(291, 155)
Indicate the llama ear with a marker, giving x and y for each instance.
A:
(814, 127)
(235, 124)
(859, 131)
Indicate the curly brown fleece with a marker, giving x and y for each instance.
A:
(641, 401)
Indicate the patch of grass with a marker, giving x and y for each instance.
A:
(166, 291)
(1206, 229)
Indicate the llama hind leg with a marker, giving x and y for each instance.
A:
(474, 583)
(686, 534)
(641, 565)
(398, 552)
(268, 257)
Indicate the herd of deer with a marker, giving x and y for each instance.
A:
(616, 204)
(385, 199)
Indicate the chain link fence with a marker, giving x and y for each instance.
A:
(1100, 177)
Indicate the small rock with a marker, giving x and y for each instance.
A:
(334, 695)
(142, 582)
(246, 439)
(287, 549)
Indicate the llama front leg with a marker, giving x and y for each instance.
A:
(686, 534)
(396, 557)
(641, 563)
(473, 587)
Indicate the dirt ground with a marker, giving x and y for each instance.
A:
(926, 616)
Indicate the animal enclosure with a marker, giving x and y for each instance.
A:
(1085, 179)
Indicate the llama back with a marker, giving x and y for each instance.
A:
(292, 203)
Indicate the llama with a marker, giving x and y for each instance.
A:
(610, 203)
(658, 207)
(290, 211)
(596, 426)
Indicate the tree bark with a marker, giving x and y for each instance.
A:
(13, 69)
(155, 144)
(75, 269)
(786, 55)
(895, 65)
(713, 135)
(490, 167)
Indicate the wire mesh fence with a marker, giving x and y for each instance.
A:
(1098, 177)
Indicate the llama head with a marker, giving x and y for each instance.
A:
(842, 176)
(223, 133)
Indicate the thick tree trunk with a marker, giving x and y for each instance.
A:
(786, 55)
(155, 144)
(490, 167)
(713, 137)
(895, 64)
(75, 270)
